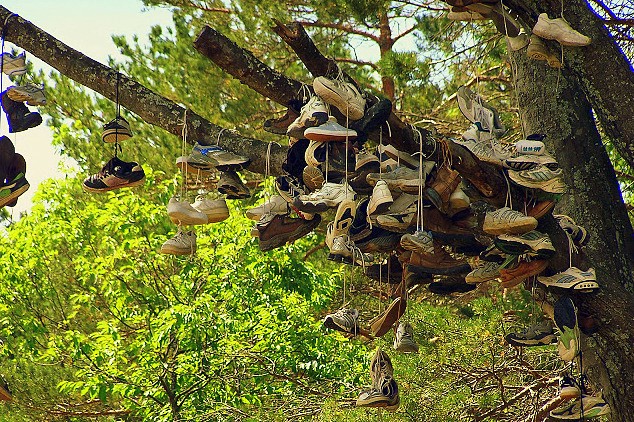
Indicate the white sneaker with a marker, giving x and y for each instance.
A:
(380, 200)
(506, 220)
(475, 109)
(343, 95)
(215, 210)
(540, 177)
(314, 113)
(275, 205)
(329, 196)
(558, 29)
(183, 243)
(181, 212)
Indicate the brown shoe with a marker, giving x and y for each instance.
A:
(280, 125)
(440, 262)
(282, 229)
(382, 323)
(511, 277)
(540, 209)
(440, 190)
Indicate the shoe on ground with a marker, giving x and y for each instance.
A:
(343, 95)
(573, 280)
(313, 178)
(404, 339)
(181, 212)
(541, 177)
(13, 65)
(558, 29)
(32, 94)
(565, 317)
(216, 210)
(280, 125)
(578, 234)
(19, 117)
(586, 407)
(381, 324)
(118, 129)
(535, 335)
(534, 243)
(383, 395)
(568, 388)
(183, 243)
(344, 320)
(275, 205)
(330, 131)
(475, 109)
(115, 174)
(537, 50)
(207, 157)
(511, 277)
(282, 229)
(486, 271)
(329, 196)
(506, 220)
(314, 113)
(380, 200)
(13, 189)
(232, 186)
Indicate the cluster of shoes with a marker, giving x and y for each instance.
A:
(545, 29)
(210, 206)
(14, 101)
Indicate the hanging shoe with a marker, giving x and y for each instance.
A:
(568, 388)
(231, 185)
(537, 50)
(314, 113)
(344, 320)
(475, 109)
(486, 271)
(420, 241)
(439, 262)
(282, 229)
(13, 189)
(115, 174)
(440, 189)
(534, 243)
(343, 95)
(181, 212)
(383, 395)
(372, 120)
(313, 178)
(558, 29)
(518, 42)
(578, 234)
(13, 65)
(565, 316)
(331, 130)
(506, 220)
(275, 205)
(535, 335)
(572, 280)
(207, 157)
(33, 94)
(118, 129)
(382, 323)
(541, 177)
(329, 196)
(512, 276)
(18, 115)
(280, 125)
(404, 339)
(5, 393)
(586, 407)
(183, 243)
(380, 200)
(216, 210)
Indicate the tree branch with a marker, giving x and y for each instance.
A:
(341, 27)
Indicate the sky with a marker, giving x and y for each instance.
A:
(86, 26)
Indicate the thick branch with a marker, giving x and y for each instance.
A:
(151, 107)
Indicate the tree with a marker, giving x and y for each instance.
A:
(572, 97)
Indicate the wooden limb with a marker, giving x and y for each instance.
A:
(151, 107)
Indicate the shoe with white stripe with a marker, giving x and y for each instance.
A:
(573, 279)
(533, 242)
(541, 177)
(506, 220)
(344, 320)
(343, 95)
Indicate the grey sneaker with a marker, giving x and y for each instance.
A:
(384, 395)
(330, 131)
(400, 215)
(13, 65)
(345, 320)
(484, 272)
(31, 93)
(208, 157)
(541, 177)
(506, 220)
(231, 185)
(183, 243)
(404, 340)
(403, 178)
(343, 95)
(535, 335)
(421, 241)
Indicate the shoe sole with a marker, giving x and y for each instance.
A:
(316, 207)
(313, 178)
(333, 98)
(274, 241)
(13, 195)
(497, 229)
(569, 393)
(111, 136)
(187, 220)
(587, 286)
(545, 341)
(170, 250)
(196, 169)
(25, 97)
(507, 284)
(328, 136)
(554, 185)
(109, 188)
(217, 216)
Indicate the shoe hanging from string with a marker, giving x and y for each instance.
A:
(3, 36)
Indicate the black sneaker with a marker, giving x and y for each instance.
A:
(231, 185)
(374, 117)
(565, 316)
(360, 227)
(12, 190)
(115, 174)
(18, 115)
(116, 130)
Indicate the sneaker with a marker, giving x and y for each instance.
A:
(420, 241)
(282, 229)
(511, 277)
(458, 201)
(344, 320)
(330, 131)
(535, 335)
(484, 147)
(118, 129)
(183, 243)
(115, 174)
(558, 29)
(565, 317)
(439, 262)
(484, 272)
(404, 340)
(537, 50)
(215, 210)
(383, 395)
(378, 241)
(12, 190)
(475, 109)
(31, 93)
(519, 42)
(343, 95)
(231, 185)
(578, 234)
(373, 118)
(329, 196)
(382, 323)
(568, 388)
(506, 220)
(315, 153)
(280, 125)
(401, 214)
(386, 163)
(181, 212)
(365, 159)
(380, 366)
(402, 178)
(402, 158)
(380, 200)
(573, 279)
(343, 250)
(533, 242)
(343, 217)
(209, 157)
(541, 177)
(13, 65)
(19, 117)
(314, 113)
(584, 408)
(540, 209)
(313, 178)
(503, 21)
(527, 161)
(275, 205)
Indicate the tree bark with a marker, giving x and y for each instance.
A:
(152, 108)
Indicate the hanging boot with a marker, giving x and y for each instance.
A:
(18, 115)
(440, 190)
